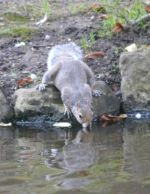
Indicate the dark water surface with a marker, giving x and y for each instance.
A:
(110, 160)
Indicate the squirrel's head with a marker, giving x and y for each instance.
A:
(83, 114)
(79, 102)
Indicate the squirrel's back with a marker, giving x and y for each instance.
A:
(70, 50)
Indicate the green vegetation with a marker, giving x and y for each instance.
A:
(120, 12)
(24, 32)
(34, 12)
(92, 38)
(16, 25)
(88, 41)
(84, 44)
(76, 9)
(45, 7)
(14, 17)
(117, 12)
(37, 10)
(115, 68)
(107, 26)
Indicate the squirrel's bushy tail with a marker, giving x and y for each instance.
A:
(69, 49)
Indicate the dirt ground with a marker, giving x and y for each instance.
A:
(68, 22)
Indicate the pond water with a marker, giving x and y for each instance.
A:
(109, 160)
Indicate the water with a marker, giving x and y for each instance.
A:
(110, 160)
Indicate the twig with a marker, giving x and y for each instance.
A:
(42, 21)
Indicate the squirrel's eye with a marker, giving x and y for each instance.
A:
(80, 116)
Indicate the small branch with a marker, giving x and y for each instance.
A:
(42, 21)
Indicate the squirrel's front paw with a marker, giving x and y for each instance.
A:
(41, 87)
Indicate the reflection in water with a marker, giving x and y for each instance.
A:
(78, 153)
(7, 144)
(137, 150)
(108, 160)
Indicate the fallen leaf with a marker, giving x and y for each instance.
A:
(25, 81)
(147, 8)
(104, 117)
(103, 16)
(111, 118)
(95, 54)
(118, 27)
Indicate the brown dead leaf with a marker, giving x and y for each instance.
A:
(111, 118)
(118, 27)
(25, 81)
(147, 8)
(104, 117)
(103, 16)
(95, 55)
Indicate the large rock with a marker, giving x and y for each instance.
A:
(135, 84)
(6, 112)
(30, 102)
(107, 102)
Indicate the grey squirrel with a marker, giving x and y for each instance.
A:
(73, 78)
